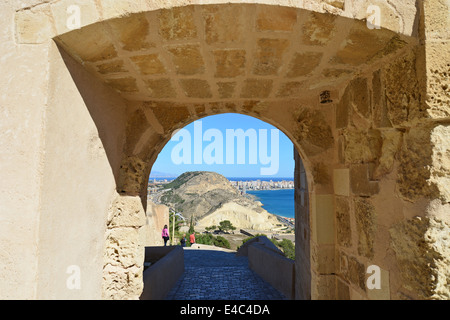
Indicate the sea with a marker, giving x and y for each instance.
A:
(278, 201)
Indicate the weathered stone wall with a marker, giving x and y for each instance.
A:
(370, 121)
(302, 232)
(21, 152)
(83, 148)
(394, 160)
(124, 249)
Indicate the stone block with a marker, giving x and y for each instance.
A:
(218, 28)
(343, 225)
(291, 88)
(149, 64)
(269, 56)
(121, 283)
(312, 131)
(187, 59)
(126, 211)
(226, 89)
(132, 32)
(323, 287)
(90, 44)
(360, 96)
(343, 110)
(160, 88)
(380, 112)
(342, 264)
(351, 270)
(276, 18)
(229, 62)
(304, 63)
(440, 172)
(392, 140)
(196, 88)
(340, 4)
(113, 8)
(342, 290)
(360, 183)
(177, 23)
(361, 46)
(127, 84)
(169, 115)
(323, 218)
(415, 157)
(414, 256)
(116, 66)
(130, 180)
(122, 248)
(256, 88)
(436, 20)
(341, 182)
(320, 173)
(365, 218)
(357, 273)
(319, 29)
(402, 90)
(33, 26)
(323, 258)
(362, 146)
(438, 79)
(137, 124)
(356, 295)
(337, 73)
(123, 262)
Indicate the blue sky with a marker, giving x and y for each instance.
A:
(215, 143)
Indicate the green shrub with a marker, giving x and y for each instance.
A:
(226, 225)
(222, 242)
(204, 239)
(209, 239)
(288, 248)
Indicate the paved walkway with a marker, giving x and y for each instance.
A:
(218, 275)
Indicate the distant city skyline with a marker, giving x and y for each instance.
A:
(257, 149)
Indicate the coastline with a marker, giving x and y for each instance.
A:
(274, 205)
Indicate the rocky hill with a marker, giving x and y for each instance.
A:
(210, 198)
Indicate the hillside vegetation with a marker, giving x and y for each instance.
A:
(210, 198)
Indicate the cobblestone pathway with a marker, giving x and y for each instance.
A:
(217, 275)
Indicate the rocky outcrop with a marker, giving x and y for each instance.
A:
(210, 198)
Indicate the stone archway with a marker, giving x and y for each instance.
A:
(175, 66)
(366, 118)
(134, 174)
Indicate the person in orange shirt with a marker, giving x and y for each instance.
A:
(192, 238)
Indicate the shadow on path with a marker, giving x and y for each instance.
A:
(218, 275)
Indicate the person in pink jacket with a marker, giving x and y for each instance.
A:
(165, 234)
